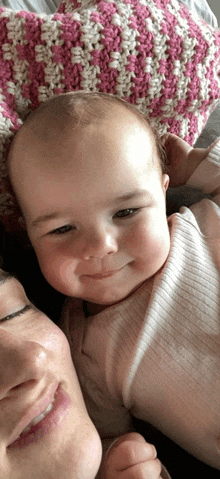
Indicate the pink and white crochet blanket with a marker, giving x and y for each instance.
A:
(150, 52)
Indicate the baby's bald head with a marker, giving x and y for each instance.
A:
(59, 116)
(41, 144)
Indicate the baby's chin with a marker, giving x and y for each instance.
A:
(92, 308)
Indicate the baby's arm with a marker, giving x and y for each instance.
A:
(131, 457)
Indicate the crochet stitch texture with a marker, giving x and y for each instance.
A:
(150, 52)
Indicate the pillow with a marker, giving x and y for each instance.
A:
(150, 52)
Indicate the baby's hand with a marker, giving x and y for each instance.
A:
(182, 159)
(131, 457)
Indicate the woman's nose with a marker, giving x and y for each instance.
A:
(22, 363)
(100, 243)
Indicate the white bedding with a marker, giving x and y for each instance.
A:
(200, 8)
(40, 6)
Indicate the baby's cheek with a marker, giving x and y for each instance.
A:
(50, 264)
(137, 235)
(59, 272)
(141, 238)
(152, 242)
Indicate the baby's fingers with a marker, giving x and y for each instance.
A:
(145, 470)
(131, 457)
(129, 450)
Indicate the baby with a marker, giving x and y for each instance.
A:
(142, 316)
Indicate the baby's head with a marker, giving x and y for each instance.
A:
(87, 171)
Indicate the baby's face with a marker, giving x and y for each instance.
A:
(95, 208)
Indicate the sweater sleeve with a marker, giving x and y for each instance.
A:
(207, 176)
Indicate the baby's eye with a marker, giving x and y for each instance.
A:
(126, 213)
(62, 230)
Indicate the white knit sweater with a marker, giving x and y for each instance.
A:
(157, 353)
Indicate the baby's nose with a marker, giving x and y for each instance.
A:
(100, 243)
(22, 363)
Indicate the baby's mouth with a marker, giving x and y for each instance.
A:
(105, 274)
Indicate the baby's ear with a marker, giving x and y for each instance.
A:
(166, 180)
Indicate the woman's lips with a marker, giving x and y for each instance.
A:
(39, 405)
(50, 421)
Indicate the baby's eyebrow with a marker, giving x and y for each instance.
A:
(131, 195)
(135, 194)
(43, 218)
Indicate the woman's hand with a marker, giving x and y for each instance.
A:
(131, 457)
(182, 159)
